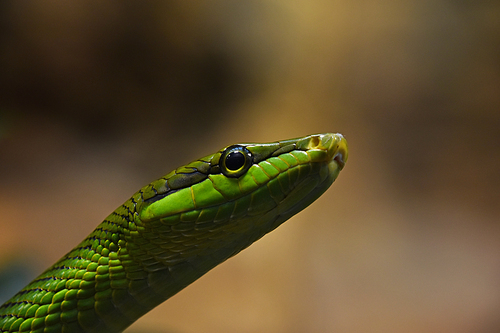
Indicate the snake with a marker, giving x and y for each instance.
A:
(173, 231)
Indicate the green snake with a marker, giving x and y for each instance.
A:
(174, 230)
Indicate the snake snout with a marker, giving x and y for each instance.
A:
(338, 150)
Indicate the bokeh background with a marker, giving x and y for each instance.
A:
(99, 98)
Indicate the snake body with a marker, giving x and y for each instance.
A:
(174, 230)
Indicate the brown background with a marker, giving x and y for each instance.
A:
(97, 99)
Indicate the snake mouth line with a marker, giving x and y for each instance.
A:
(340, 159)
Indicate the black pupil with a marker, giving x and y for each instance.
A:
(235, 160)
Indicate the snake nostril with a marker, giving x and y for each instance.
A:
(314, 143)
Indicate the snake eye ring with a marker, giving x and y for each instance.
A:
(235, 161)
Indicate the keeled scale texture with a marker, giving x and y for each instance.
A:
(171, 232)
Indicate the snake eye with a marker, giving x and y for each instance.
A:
(235, 161)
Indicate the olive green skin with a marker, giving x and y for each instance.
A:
(173, 231)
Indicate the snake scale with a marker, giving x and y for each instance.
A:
(174, 230)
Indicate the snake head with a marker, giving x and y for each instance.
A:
(218, 205)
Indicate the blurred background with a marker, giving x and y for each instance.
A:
(99, 98)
